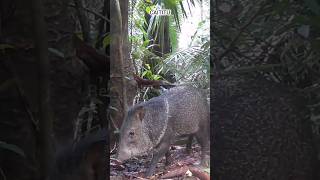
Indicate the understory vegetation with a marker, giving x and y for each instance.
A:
(161, 46)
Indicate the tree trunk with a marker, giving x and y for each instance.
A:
(68, 75)
(20, 99)
(122, 90)
(45, 119)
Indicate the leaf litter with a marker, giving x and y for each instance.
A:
(182, 166)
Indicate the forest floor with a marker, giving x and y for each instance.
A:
(182, 166)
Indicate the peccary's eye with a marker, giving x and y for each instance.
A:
(131, 133)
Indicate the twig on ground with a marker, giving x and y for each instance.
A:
(182, 171)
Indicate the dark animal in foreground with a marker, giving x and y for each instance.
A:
(84, 161)
(260, 131)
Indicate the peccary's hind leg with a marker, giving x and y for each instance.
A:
(203, 139)
(168, 158)
(189, 144)
(158, 153)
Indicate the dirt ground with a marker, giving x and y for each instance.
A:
(182, 166)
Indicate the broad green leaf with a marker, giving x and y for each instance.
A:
(156, 77)
(147, 74)
(144, 73)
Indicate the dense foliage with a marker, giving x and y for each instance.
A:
(187, 65)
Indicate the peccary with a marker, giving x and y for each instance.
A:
(155, 124)
(85, 160)
(260, 131)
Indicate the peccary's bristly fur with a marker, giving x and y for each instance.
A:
(155, 124)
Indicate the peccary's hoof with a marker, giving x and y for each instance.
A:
(168, 161)
(148, 174)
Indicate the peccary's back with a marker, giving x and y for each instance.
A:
(188, 110)
(260, 131)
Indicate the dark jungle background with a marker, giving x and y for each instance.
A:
(69, 69)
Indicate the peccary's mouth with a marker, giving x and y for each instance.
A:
(125, 155)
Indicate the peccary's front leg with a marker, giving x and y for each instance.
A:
(203, 140)
(168, 159)
(189, 144)
(158, 153)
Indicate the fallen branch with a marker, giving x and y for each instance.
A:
(175, 173)
(114, 148)
(183, 170)
(153, 83)
(116, 164)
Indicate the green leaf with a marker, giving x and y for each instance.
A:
(12, 148)
(149, 1)
(145, 43)
(150, 8)
(144, 73)
(147, 74)
(106, 41)
(156, 77)
(148, 66)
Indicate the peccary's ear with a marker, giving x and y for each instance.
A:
(140, 112)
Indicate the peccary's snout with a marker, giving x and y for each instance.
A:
(123, 155)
